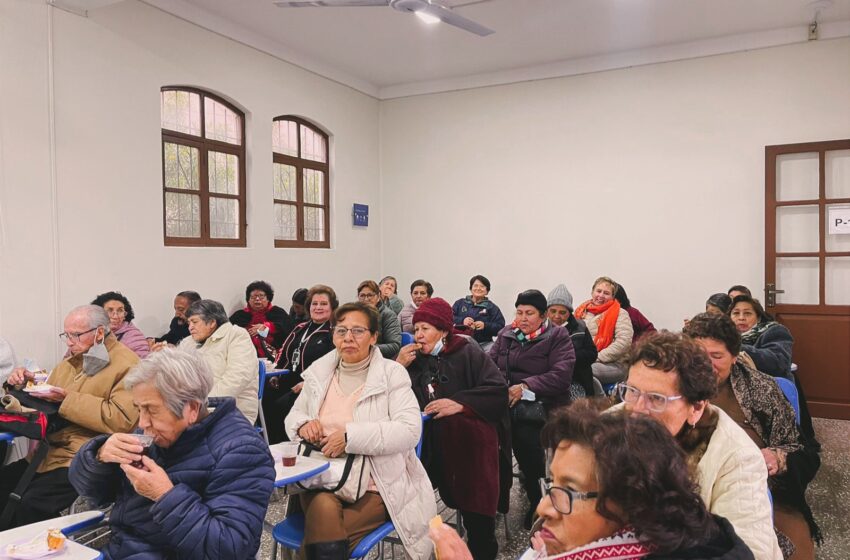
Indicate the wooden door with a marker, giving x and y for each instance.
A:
(807, 264)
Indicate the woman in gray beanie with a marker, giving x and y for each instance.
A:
(560, 312)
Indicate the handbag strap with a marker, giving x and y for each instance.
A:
(14, 499)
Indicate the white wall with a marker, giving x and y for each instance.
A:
(652, 175)
(109, 68)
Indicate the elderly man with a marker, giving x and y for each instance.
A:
(88, 389)
(178, 329)
(203, 487)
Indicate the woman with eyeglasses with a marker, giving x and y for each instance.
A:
(466, 448)
(121, 322)
(268, 324)
(389, 328)
(671, 380)
(617, 487)
(355, 401)
(754, 400)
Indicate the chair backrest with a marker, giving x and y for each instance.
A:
(425, 418)
(790, 391)
(262, 370)
(406, 338)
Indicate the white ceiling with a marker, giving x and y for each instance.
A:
(386, 53)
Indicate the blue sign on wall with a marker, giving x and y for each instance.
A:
(361, 215)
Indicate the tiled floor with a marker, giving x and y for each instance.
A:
(829, 496)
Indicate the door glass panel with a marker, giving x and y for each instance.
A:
(797, 176)
(797, 229)
(837, 277)
(837, 168)
(836, 241)
(798, 276)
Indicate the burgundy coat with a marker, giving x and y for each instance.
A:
(545, 364)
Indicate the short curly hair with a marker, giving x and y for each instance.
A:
(264, 287)
(716, 327)
(641, 471)
(322, 289)
(101, 300)
(681, 356)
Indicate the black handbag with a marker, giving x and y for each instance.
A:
(526, 412)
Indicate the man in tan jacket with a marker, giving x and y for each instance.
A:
(88, 387)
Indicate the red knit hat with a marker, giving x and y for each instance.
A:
(437, 312)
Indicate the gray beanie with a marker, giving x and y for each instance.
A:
(560, 295)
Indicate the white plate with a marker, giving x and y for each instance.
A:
(39, 389)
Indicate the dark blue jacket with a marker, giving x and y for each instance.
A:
(772, 351)
(223, 476)
(485, 311)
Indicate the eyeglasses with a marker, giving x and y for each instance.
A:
(117, 312)
(356, 332)
(562, 498)
(655, 402)
(74, 337)
(366, 295)
(258, 297)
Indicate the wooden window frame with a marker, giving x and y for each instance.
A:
(300, 164)
(204, 146)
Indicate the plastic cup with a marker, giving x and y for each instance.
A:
(290, 453)
(145, 441)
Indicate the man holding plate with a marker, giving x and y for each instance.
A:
(89, 391)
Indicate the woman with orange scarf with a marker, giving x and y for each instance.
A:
(611, 329)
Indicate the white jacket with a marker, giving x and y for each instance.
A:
(232, 358)
(733, 483)
(623, 333)
(386, 428)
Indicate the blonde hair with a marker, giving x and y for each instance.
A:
(606, 280)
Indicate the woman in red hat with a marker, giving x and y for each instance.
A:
(467, 397)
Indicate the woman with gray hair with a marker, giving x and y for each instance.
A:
(228, 351)
(200, 488)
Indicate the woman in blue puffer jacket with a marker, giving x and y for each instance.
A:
(203, 487)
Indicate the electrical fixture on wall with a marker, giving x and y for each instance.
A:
(816, 8)
(429, 11)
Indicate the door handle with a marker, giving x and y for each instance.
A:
(770, 292)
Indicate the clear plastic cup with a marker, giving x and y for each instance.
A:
(145, 441)
(289, 451)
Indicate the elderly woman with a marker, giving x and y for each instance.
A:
(478, 314)
(357, 402)
(389, 294)
(754, 401)
(618, 488)
(718, 303)
(640, 324)
(200, 490)
(229, 353)
(307, 343)
(389, 329)
(537, 358)
(267, 324)
(611, 328)
(420, 291)
(467, 442)
(764, 340)
(560, 312)
(298, 310)
(121, 322)
(671, 379)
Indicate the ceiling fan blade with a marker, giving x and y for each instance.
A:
(448, 16)
(331, 3)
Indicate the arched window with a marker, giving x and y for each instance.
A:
(301, 208)
(203, 169)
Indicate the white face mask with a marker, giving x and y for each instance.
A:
(437, 347)
(96, 358)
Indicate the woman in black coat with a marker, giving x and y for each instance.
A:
(308, 342)
(267, 324)
(466, 446)
(560, 312)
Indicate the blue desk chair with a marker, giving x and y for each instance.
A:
(290, 531)
(790, 391)
(265, 376)
(406, 338)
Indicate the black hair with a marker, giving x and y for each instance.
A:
(370, 312)
(717, 327)
(264, 287)
(190, 295)
(481, 279)
(620, 295)
(427, 285)
(721, 301)
(101, 300)
(300, 296)
(739, 288)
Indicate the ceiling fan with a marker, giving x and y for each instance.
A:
(428, 10)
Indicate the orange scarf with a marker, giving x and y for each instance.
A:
(605, 326)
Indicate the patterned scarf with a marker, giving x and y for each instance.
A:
(622, 545)
(752, 335)
(526, 338)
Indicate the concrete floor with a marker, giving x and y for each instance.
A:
(829, 496)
